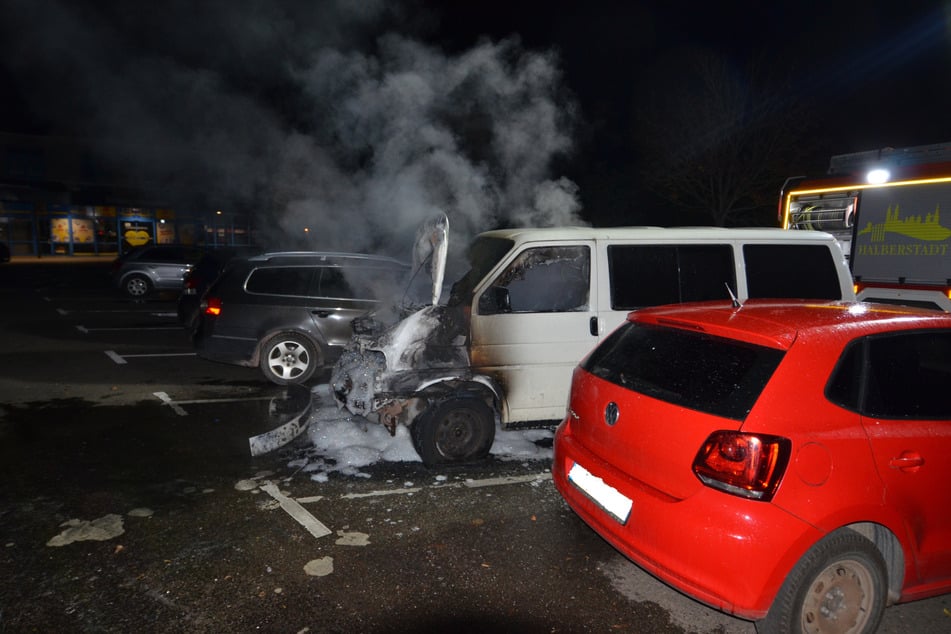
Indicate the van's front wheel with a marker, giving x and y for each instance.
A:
(454, 430)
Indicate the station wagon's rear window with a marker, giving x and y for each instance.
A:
(362, 283)
(290, 280)
(710, 374)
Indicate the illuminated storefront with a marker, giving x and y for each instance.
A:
(103, 229)
(57, 199)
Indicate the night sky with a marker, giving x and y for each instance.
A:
(882, 68)
(241, 98)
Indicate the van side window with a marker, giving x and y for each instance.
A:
(652, 275)
(806, 271)
(543, 280)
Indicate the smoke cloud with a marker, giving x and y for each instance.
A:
(333, 116)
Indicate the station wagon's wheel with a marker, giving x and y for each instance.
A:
(838, 587)
(454, 430)
(137, 286)
(288, 358)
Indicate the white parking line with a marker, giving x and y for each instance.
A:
(373, 494)
(120, 311)
(494, 482)
(470, 484)
(121, 358)
(313, 525)
(201, 401)
(318, 529)
(177, 405)
(85, 330)
(165, 398)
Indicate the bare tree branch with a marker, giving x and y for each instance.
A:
(718, 139)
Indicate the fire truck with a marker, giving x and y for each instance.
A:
(890, 209)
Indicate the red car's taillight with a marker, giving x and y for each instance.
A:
(748, 465)
(212, 306)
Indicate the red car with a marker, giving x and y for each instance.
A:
(786, 462)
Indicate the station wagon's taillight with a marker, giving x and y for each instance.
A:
(212, 306)
(748, 465)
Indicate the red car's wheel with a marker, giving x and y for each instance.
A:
(838, 587)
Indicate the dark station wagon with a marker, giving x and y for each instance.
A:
(290, 313)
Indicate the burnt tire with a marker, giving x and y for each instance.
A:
(288, 358)
(137, 286)
(839, 587)
(454, 430)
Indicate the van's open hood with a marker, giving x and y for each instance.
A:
(382, 370)
(432, 244)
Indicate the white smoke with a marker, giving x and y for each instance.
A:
(473, 135)
(329, 116)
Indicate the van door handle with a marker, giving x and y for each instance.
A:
(320, 313)
(593, 326)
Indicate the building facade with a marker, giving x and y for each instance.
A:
(53, 201)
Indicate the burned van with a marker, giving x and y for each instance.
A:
(501, 349)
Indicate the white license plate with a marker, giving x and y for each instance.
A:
(615, 503)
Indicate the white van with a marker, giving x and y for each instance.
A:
(535, 301)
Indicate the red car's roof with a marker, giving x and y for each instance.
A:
(777, 323)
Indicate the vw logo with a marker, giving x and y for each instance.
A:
(611, 413)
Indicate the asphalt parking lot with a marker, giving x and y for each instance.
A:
(131, 501)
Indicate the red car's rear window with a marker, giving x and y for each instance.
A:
(710, 374)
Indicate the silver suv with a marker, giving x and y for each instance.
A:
(142, 270)
(290, 313)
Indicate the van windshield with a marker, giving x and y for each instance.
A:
(484, 253)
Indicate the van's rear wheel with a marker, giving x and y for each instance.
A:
(288, 358)
(454, 430)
